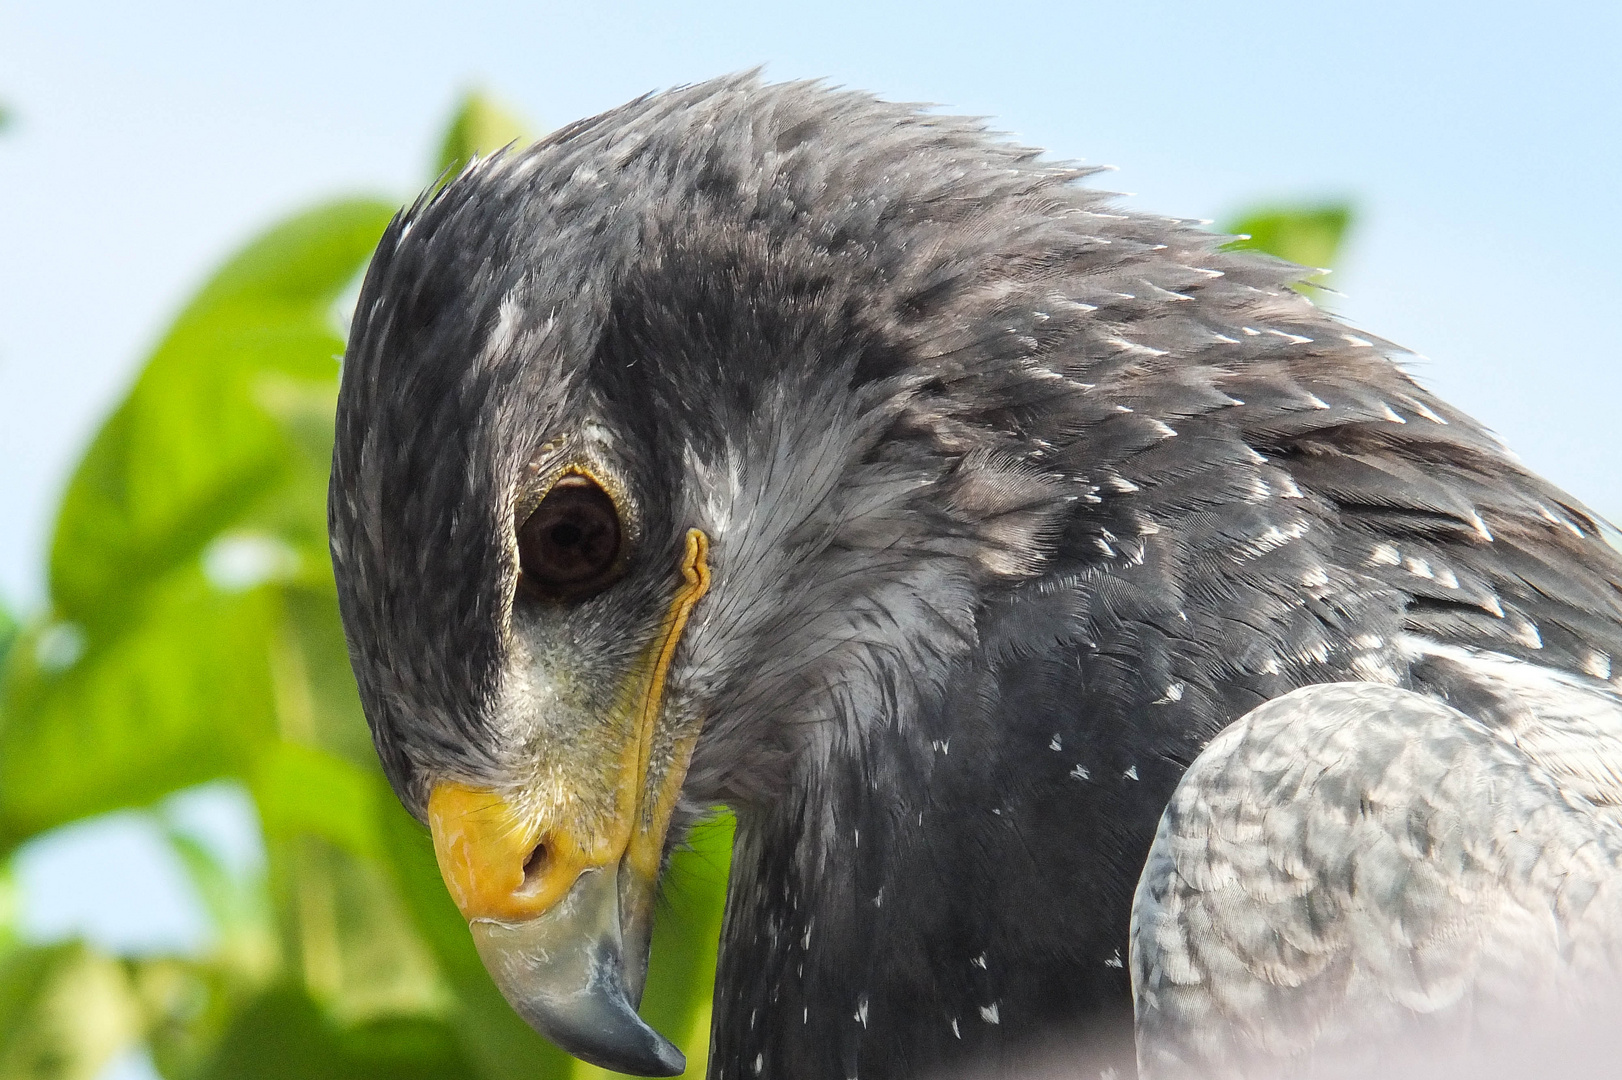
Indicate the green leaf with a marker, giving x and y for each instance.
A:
(285, 1035)
(1308, 235)
(10, 908)
(311, 660)
(188, 1006)
(65, 1011)
(193, 449)
(8, 633)
(245, 949)
(350, 933)
(479, 127)
(158, 667)
(302, 789)
(179, 697)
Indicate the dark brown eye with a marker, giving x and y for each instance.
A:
(568, 548)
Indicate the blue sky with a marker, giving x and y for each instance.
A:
(1479, 141)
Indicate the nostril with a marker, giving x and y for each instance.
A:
(534, 867)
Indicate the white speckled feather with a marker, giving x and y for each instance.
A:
(1353, 868)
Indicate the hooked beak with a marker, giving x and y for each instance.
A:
(561, 909)
(575, 975)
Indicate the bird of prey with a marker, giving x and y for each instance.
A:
(776, 447)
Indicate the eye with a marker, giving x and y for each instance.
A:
(568, 548)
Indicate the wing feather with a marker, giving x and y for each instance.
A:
(1352, 867)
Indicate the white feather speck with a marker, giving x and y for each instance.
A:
(1419, 407)
(1526, 632)
(1385, 555)
(1318, 651)
(1271, 538)
(1132, 346)
(1164, 430)
(1293, 339)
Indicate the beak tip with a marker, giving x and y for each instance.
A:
(672, 1062)
(663, 1059)
(605, 1031)
(609, 1034)
(563, 973)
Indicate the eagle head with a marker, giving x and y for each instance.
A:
(674, 454)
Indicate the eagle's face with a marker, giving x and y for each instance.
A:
(624, 525)
(661, 477)
(574, 535)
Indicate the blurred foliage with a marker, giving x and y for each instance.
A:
(480, 127)
(192, 636)
(1308, 235)
(8, 631)
(64, 1010)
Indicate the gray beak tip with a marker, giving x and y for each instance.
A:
(564, 973)
(599, 1026)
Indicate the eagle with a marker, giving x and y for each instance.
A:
(1081, 625)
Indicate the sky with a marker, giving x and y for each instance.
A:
(1479, 143)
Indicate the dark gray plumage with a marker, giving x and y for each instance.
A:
(1015, 500)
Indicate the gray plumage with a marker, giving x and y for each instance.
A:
(1352, 875)
(1016, 499)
